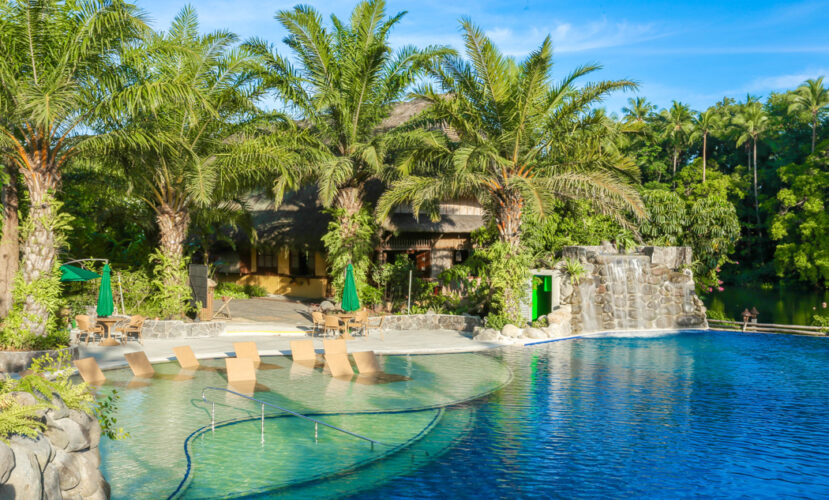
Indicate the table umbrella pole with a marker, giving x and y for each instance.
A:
(121, 295)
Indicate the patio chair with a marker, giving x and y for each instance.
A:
(332, 324)
(139, 364)
(87, 329)
(134, 327)
(185, 357)
(360, 321)
(319, 322)
(89, 370)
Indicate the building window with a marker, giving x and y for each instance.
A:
(302, 263)
(267, 260)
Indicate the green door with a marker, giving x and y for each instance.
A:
(542, 295)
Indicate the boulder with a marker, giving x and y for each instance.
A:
(487, 335)
(6, 462)
(511, 331)
(534, 333)
(326, 306)
(25, 480)
(76, 434)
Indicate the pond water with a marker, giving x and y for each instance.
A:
(778, 306)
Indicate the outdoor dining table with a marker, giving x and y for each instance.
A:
(345, 318)
(108, 322)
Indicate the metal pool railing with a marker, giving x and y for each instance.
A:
(263, 404)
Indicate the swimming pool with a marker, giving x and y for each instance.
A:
(674, 415)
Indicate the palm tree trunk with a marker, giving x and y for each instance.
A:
(508, 218)
(704, 154)
(676, 158)
(756, 201)
(39, 252)
(814, 132)
(9, 244)
(350, 200)
(172, 225)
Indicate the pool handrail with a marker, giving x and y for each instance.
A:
(271, 405)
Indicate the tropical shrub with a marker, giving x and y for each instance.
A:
(350, 240)
(232, 290)
(255, 291)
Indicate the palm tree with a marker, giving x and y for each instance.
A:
(638, 109)
(182, 158)
(58, 72)
(677, 126)
(500, 132)
(346, 80)
(706, 123)
(813, 98)
(752, 122)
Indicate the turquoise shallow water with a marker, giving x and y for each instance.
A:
(162, 412)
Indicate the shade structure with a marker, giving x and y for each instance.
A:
(351, 302)
(105, 306)
(72, 273)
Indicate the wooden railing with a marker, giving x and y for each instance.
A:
(767, 327)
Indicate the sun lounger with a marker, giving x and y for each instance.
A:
(303, 350)
(367, 362)
(139, 364)
(185, 357)
(334, 346)
(90, 371)
(250, 351)
(339, 365)
(241, 374)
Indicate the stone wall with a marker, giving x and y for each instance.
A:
(18, 361)
(558, 326)
(431, 321)
(168, 329)
(652, 288)
(61, 463)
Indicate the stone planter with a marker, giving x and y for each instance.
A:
(18, 361)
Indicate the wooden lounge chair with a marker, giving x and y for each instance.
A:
(332, 324)
(87, 329)
(367, 362)
(250, 351)
(90, 371)
(319, 322)
(134, 327)
(339, 365)
(185, 357)
(241, 374)
(360, 321)
(139, 364)
(334, 346)
(303, 350)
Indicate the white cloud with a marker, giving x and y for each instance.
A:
(784, 82)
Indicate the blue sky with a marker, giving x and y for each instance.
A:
(695, 52)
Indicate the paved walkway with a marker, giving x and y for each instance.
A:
(394, 342)
(291, 314)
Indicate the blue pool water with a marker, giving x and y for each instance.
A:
(681, 415)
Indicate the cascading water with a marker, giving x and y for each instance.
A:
(620, 306)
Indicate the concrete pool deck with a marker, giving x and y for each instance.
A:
(391, 342)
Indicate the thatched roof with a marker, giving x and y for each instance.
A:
(406, 223)
(299, 221)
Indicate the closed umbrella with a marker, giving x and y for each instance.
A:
(350, 302)
(105, 305)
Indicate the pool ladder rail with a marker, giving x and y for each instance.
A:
(263, 404)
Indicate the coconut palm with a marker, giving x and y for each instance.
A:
(812, 98)
(501, 132)
(638, 109)
(182, 158)
(752, 121)
(345, 81)
(58, 72)
(706, 123)
(677, 127)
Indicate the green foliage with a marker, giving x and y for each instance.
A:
(51, 374)
(104, 408)
(574, 270)
(231, 290)
(255, 291)
(720, 315)
(169, 280)
(507, 275)
(18, 419)
(350, 239)
(498, 321)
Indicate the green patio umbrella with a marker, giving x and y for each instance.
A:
(72, 273)
(350, 300)
(105, 305)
